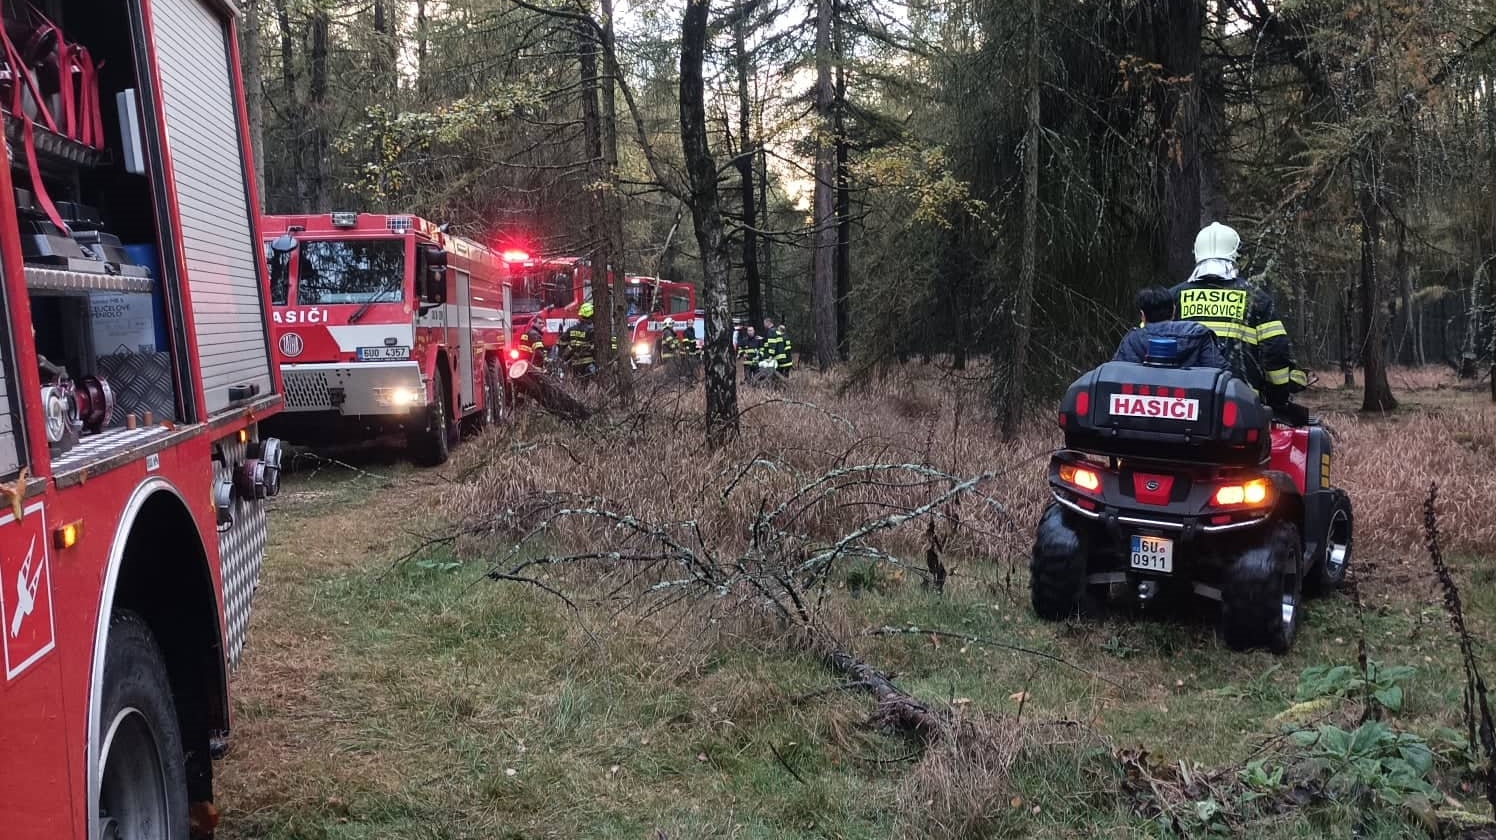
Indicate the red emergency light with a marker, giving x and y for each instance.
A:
(516, 255)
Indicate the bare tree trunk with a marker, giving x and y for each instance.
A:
(597, 209)
(766, 273)
(823, 280)
(1348, 336)
(706, 212)
(319, 192)
(1402, 265)
(843, 199)
(1017, 362)
(295, 118)
(1378, 393)
(422, 43)
(613, 206)
(746, 162)
(254, 89)
(1179, 25)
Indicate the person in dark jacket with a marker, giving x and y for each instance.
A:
(1251, 337)
(580, 356)
(778, 347)
(1196, 343)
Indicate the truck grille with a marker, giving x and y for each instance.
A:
(306, 389)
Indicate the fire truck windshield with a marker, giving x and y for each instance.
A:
(333, 271)
(640, 298)
(541, 287)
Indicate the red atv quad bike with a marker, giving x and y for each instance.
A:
(1178, 480)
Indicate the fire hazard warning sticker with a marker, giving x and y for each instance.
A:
(27, 628)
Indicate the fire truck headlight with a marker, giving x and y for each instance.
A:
(404, 397)
(642, 350)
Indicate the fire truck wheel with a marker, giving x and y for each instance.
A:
(142, 772)
(1261, 599)
(498, 395)
(431, 445)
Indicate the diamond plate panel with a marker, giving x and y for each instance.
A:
(241, 553)
(141, 382)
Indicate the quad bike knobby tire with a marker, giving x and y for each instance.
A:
(1057, 567)
(1334, 557)
(1262, 593)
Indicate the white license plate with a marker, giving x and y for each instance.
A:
(1152, 554)
(383, 354)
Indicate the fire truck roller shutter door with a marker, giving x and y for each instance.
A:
(212, 197)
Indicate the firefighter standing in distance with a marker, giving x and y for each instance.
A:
(1247, 328)
(749, 345)
(777, 346)
(533, 343)
(690, 349)
(579, 354)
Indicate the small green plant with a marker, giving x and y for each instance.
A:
(1114, 646)
(1260, 780)
(1383, 682)
(1372, 760)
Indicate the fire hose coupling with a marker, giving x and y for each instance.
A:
(223, 501)
(259, 476)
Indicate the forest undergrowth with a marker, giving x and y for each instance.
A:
(605, 630)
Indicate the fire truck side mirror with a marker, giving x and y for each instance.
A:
(433, 280)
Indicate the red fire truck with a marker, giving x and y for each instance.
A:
(553, 289)
(135, 371)
(386, 323)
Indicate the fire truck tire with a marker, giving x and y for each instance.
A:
(498, 394)
(432, 446)
(1262, 594)
(142, 770)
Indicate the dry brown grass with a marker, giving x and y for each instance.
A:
(826, 461)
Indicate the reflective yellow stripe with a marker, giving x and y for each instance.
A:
(1299, 377)
(1271, 329)
(1230, 329)
(1281, 376)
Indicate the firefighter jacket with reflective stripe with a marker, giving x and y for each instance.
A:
(688, 346)
(748, 349)
(1247, 330)
(669, 345)
(579, 344)
(777, 347)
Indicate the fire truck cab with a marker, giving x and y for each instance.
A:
(386, 323)
(551, 290)
(135, 373)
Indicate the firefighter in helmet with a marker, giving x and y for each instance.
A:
(579, 352)
(777, 347)
(669, 341)
(1243, 318)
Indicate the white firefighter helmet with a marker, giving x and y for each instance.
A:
(1216, 242)
(669, 323)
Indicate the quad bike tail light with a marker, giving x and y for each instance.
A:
(1251, 494)
(1085, 479)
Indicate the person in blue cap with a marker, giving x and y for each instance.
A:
(1195, 344)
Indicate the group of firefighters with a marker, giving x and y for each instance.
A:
(765, 358)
